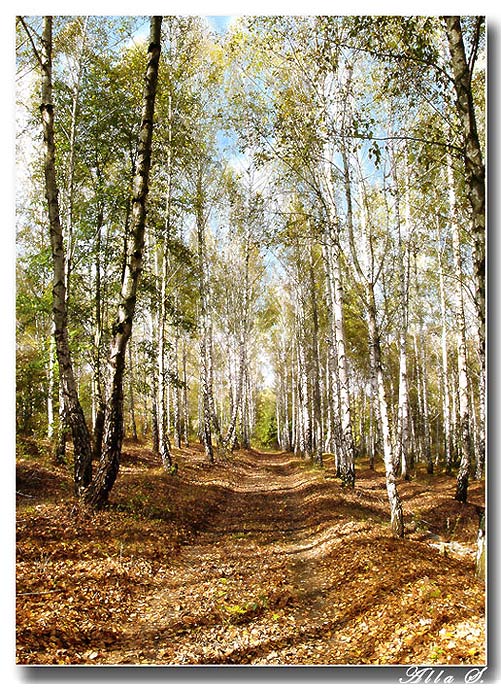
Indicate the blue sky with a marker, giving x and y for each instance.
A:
(219, 23)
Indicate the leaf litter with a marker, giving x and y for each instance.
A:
(257, 559)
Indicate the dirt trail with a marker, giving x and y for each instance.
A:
(282, 573)
(246, 564)
(257, 559)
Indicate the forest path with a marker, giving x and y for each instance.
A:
(288, 568)
(257, 559)
(228, 589)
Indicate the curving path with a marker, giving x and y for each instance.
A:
(289, 569)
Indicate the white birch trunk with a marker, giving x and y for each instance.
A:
(341, 408)
(51, 388)
(445, 370)
(186, 415)
(316, 394)
(71, 159)
(73, 413)
(403, 393)
(109, 464)
(464, 423)
(397, 520)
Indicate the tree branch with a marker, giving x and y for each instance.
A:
(475, 46)
(26, 28)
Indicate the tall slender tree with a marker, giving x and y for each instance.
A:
(73, 412)
(462, 68)
(107, 470)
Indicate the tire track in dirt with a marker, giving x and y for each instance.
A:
(208, 589)
(289, 568)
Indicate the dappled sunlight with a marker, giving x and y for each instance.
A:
(237, 231)
(257, 560)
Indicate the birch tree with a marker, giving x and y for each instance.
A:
(73, 410)
(403, 235)
(462, 67)
(397, 522)
(464, 425)
(347, 278)
(107, 470)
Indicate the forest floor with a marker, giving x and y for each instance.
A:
(260, 559)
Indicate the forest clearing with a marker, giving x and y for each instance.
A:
(261, 560)
(253, 247)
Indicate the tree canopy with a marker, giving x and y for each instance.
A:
(311, 273)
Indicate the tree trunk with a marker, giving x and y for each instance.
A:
(287, 420)
(62, 433)
(462, 72)
(98, 429)
(428, 458)
(403, 424)
(152, 334)
(368, 276)
(71, 161)
(473, 161)
(397, 520)
(229, 439)
(155, 445)
(445, 371)
(162, 405)
(426, 415)
(328, 414)
(333, 385)
(346, 466)
(107, 471)
(205, 376)
(419, 425)
(132, 402)
(316, 394)
(294, 406)
(206, 411)
(177, 391)
(371, 444)
(306, 443)
(474, 435)
(464, 423)
(73, 412)
(186, 417)
(403, 431)
(51, 387)
(210, 420)
(246, 411)
(337, 300)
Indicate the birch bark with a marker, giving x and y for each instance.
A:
(403, 393)
(230, 438)
(445, 370)
(397, 520)
(107, 471)
(207, 401)
(316, 393)
(464, 424)
(462, 71)
(368, 275)
(73, 413)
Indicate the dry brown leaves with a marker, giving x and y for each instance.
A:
(256, 560)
